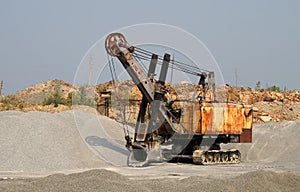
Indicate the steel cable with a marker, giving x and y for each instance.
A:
(178, 63)
(173, 66)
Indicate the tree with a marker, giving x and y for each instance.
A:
(257, 87)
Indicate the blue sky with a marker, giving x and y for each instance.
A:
(43, 40)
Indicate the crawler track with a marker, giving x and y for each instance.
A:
(211, 157)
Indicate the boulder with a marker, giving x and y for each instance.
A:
(265, 118)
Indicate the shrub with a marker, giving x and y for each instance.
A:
(274, 88)
(55, 99)
(82, 97)
(10, 102)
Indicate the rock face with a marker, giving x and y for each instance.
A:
(268, 105)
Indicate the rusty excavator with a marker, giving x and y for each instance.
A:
(194, 130)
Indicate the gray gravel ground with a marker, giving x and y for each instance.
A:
(38, 144)
(102, 180)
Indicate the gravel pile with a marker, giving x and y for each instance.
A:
(273, 142)
(42, 142)
(104, 136)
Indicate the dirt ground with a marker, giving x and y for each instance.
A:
(80, 151)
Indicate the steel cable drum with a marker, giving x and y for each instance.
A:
(94, 69)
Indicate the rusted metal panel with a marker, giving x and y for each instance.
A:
(197, 119)
(246, 136)
(224, 118)
(187, 117)
(217, 118)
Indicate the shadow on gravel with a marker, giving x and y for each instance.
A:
(98, 141)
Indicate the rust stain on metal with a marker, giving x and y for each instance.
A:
(246, 136)
(218, 118)
(187, 119)
(225, 118)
